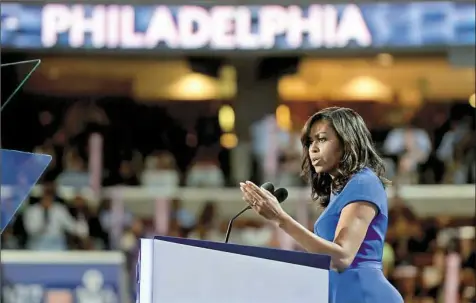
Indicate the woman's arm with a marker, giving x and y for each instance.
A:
(351, 229)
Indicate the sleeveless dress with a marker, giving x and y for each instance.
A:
(363, 281)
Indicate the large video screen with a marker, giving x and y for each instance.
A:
(315, 27)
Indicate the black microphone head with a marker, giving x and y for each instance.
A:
(268, 186)
(281, 194)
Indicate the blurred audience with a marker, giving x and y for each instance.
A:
(205, 170)
(105, 218)
(422, 245)
(457, 152)
(412, 146)
(415, 256)
(289, 162)
(208, 226)
(160, 170)
(82, 212)
(182, 221)
(433, 151)
(9, 240)
(74, 173)
(127, 174)
(129, 243)
(48, 222)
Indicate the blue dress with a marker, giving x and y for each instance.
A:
(363, 281)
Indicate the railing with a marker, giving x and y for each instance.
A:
(426, 200)
(154, 202)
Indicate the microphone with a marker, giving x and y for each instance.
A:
(281, 195)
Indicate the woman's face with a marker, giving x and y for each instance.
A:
(325, 149)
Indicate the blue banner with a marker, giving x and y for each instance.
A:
(19, 173)
(60, 281)
(147, 27)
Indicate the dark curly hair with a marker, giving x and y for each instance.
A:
(358, 152)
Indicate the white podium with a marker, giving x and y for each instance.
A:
(175, 270)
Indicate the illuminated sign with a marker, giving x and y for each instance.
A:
(237, 27)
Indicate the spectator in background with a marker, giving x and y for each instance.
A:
(399, 209)
(445, 232)
(81, 211)
(9, 241)
(417, 242)
(129, 244)
(207, 227)
(271, 144)
(182, 222)
(401, 219)
(98, 236)
(47, 222)
(411, 146)
(105, 219)
(290, 153)
(127, 174)
(406, 280)
(457, 152)
(130, 239)
(427, 291)
(468, 262)
(467, 246)
(205, 171)
(160, 170)
(75, 173)
(468, 285)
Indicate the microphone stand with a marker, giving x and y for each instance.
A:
(268, 186)
(281, 195)
(230, 223)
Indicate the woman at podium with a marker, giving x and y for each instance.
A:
(346, 177)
